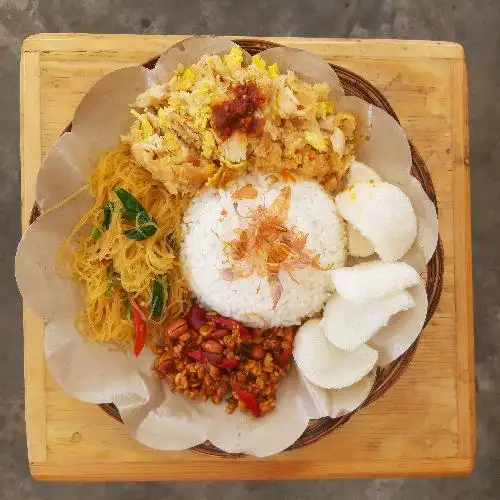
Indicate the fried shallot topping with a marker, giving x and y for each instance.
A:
(247, 192)
(268, 246)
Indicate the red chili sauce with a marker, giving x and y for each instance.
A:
(237, 113)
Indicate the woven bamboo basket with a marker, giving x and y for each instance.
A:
(357, 86)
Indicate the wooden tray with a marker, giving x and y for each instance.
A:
(424, 425)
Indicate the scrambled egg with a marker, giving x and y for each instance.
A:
(234, 59)
(144, 125)
(296, 130)
(273, 70)
(259, 63)
(208, 145)
(316, 141)
(186, 79)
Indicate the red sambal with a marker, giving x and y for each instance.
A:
(237, 113)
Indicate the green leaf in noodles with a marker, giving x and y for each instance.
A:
(127, 308)
(142, 232)
(133, 210)
(158, 299)
(107, 209)
(167, 288)
(131, 207)
(96, 233)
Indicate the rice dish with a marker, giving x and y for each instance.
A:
(216, 230)
(249, 300)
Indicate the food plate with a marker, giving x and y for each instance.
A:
(430, 191)
(355, 85)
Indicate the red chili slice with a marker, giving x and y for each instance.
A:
(230, 323)
(198, 355)
(284, 357)
(205, 357)
(196, 317)
(248, 399)
(213, 359)
(140, 330)
(228, 363)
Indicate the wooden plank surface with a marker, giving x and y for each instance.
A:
(425, 425)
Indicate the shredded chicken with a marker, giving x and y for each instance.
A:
(184, 131)
(227, 120)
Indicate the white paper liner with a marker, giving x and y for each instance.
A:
(403, 329)
(427, 236)
(427, 233)
(188, 52)
(383, 145)
(338, 402)
(65, 169)
(101, 373)
(36, 276)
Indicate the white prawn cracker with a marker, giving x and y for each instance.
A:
(348, 324)
(372, 280)
(383, 214)
(359, 172)
(357, 244)
(325, 365)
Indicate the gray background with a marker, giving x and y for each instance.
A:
(473, 23)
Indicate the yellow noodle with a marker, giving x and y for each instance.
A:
(135, 264)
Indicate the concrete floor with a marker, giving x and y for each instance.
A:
(473, 23)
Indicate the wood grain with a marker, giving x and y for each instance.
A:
(34, 370)
(425, 425)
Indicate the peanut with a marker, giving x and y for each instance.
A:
(257, 352)
(176, 328)
(212, 346)
(185, 337)
(205, 330)
(256, 372)
(220, 333)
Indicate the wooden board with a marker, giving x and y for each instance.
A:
(425, 425)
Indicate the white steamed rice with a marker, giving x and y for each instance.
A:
(248, 300)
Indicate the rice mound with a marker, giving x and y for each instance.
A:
(211, 219)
